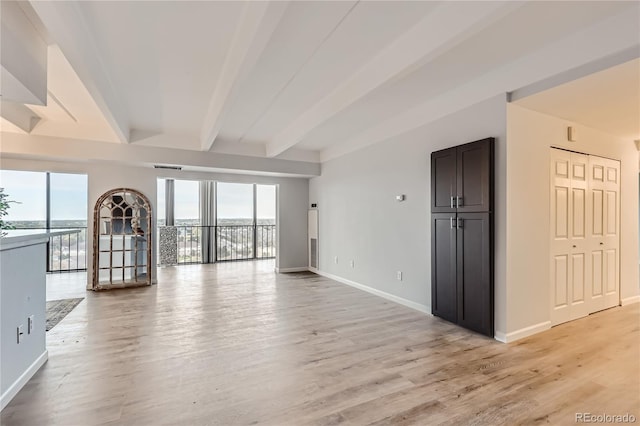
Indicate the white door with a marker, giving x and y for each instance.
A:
(569, 243)
(584, 234)
(611, 239)
(598, 194)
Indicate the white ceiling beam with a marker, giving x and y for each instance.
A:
(446, 26)
(23, 61)
(255, 27)
(19, 115)
(607, 39)
(66, 26)
(21, 146)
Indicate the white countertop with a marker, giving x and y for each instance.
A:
(16, 238)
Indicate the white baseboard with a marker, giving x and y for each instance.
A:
(408, 303)
(23, 379)
(629, 300)
(522, 333)
(285, 270)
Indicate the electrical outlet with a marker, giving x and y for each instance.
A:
(399, 275)
(20, 332)
(335, 260)
(352, 263)
(30, 324)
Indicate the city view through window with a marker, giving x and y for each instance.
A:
(67, 194)
(241, 230)
(245, 226)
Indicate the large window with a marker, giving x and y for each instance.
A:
(29, 191)
(235, 222)
(68, 205)
(266, 204)
(265, 221)
(51, 200)
(68, 209)
(186, 193)
(244, 227)
(234, 204)
(187, 220)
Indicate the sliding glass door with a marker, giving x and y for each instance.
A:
(235, 221)
(207, 221)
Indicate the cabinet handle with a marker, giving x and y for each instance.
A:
(459, 223)
(451, 222)
(452, 202)
(458, 202)
(601, 243)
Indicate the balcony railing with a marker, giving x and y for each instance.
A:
(67, 252)
(189, 244)
(203, 244)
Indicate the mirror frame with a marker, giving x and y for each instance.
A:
(100, 203)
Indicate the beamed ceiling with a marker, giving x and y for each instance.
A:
(306, 80)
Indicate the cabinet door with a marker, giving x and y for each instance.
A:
(474, 176)
(474, 272)
(443, 266)
(443, 180)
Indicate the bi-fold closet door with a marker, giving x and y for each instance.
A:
(585, 234)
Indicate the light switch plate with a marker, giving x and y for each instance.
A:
(30, 321)
(20, 333)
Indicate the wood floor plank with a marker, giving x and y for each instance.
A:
(237, 344)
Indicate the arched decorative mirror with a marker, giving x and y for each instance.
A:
(121, 240)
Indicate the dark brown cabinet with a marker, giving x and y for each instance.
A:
(461, 178)
(462, 235)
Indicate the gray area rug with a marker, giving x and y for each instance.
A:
(58, 309)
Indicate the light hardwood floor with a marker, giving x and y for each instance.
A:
(236, 344)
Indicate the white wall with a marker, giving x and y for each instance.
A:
(360, 219)
(22, 293)
(530, 135)
(102, 176)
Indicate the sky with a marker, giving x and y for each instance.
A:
(235, 200)
(69, 197)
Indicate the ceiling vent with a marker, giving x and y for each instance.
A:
(160, 166)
